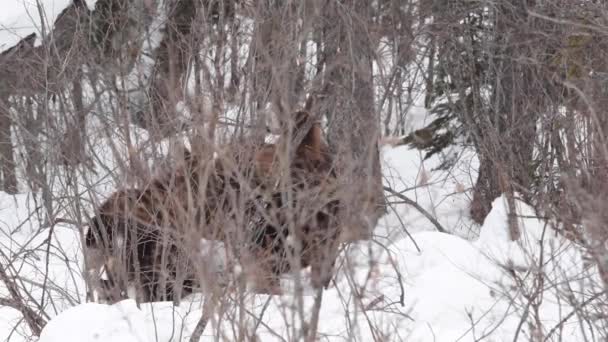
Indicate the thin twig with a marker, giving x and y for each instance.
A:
(417, 207)
(33, 320)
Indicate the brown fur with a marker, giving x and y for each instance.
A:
(148, 254)
(165, 210)
(170, 206)
(314, 224)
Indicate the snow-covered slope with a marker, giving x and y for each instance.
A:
(430, 287)
(442, 193)
(19, 18)
(451, 289)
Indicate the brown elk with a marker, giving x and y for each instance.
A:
(305, 210)
(286, 224)
(141, 233)
(129, 233)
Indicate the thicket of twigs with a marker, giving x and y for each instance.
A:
(111, 94)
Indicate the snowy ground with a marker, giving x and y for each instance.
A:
(451, 288)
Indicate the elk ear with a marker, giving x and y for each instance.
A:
(264, 159)
(313, 139)
(301, 119)
(187, 154)
(90, 237)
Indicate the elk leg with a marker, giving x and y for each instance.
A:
(324, 251)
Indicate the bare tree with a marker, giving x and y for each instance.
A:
(347, 100)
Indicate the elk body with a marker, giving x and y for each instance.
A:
(144, 235)
(273, 205)
(304, 231)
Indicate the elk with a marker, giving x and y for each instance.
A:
(278, 229)
(141, 234)
(309, 218)
(128, 231)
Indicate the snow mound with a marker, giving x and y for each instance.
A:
(442, 288)
(96, 322)
(443, 193)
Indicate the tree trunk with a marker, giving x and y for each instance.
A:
(589, 190)
(73, 151)
(9, 176)
(171, 62)
(506, 134)
(348, 102)
(276, 46)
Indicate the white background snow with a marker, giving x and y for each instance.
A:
(19, 18)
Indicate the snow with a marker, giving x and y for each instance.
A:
(20, 18)
(442, 193)
(448, 284)
(121, 322)
(453, 286)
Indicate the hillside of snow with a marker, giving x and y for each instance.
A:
(451, 289)
(413, 283)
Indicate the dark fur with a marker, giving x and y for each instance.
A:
(314, 223)
(136, 218)
(143, 217)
